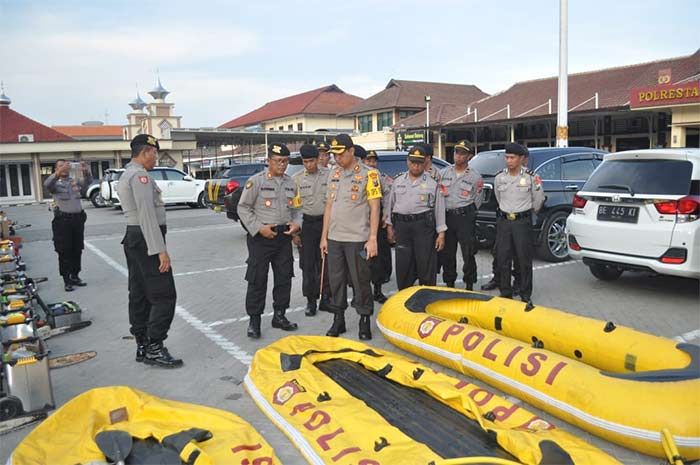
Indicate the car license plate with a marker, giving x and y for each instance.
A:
(618, 213)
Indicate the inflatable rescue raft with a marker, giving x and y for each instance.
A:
(341, 401)
(68, 436)
(618, 383)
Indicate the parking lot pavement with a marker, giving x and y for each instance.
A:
(209, 253)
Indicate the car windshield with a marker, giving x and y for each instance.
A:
(292, 169)
(660, 177)
(488, 163)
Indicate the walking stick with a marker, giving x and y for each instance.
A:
(323, 266)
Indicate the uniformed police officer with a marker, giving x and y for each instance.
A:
(152, 293)
(462, 188)
(381, 266)
(518, 193)
(416, 221)
(311, 194)
(432, 171)
(68, 224)
(323, 155)
(350, 225)
(271, 216)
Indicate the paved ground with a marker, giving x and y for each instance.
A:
(208, 253)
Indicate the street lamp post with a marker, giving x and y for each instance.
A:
(427, 119)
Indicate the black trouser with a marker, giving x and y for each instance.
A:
(310, 259)
(514, 241)
(152, 294)
(416, 257)
(262, 253)
(494, 264)
(380, 266)
(68, 236)
(344, 259)
(461, 226)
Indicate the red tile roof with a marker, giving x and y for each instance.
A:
(411, 95)
(530, 98)
(12, 124)
(93, 132)
(328, 100)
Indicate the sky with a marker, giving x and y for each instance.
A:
(69, 61)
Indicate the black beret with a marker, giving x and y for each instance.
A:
(372, 154)
(308, 151)
(341, 143)
(428, 148)
(360, 152)
(417, 153)
(516, 149)
(280, 150)
(145, 139)
(323, 147)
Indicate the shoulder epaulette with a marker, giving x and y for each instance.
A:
(530, 172)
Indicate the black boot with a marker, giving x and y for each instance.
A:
(67, 284)
(365, 333)
(141, 343)
(528, 303)
(158, 355)
(450, 284)
(378, 295)
(469, 286)
(338, 326)
(325, 305)
(489, 285)
(254, 327)
(281, 322)
(310, 307)
(75, 279)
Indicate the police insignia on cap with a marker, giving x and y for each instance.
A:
(334, 142)
(151, 140)
(276, 149)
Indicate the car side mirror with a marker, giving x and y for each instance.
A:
(188, 178)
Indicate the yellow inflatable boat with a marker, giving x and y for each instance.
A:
(341, 401)
(620, 384)
(68, 436)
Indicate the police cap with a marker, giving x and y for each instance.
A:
(417, 153)
(372, 154)
(280, 150)
(427, 147)
(341, 143)
(323, 147)
(462, 146)
(360, 152)
(145, 139)
(308, 151)
(517, 149)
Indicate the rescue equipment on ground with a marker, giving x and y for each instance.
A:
(158, 427)
(618, 383)
(341, 401)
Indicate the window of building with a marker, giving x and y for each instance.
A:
(406, 113)
(164, 129)
(281, 128)
(385, 119)
(364, 123)
(290, 127)
(300, 126)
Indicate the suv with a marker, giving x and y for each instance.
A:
(177, 187)
(391, 163)
(92, 192)
(563, 171)
(639, 212)
(227, 183)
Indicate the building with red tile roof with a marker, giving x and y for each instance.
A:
(92, 131)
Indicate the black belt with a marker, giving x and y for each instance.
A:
(461, 210)
(58, 212)
(279, 228)
(312, 218)
(414, 217)
(514, 216)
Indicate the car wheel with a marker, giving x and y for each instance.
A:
(10, 407)
(202, 200)
(97, 200)
(605, 272)
(553, 247)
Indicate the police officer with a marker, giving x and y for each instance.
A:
(271, 216)
(152, 293)
(432, 171)
(462, 188)
(323, 155)
(416, 221)
(518, 193)
(311, 195)
(381, 266)
(68, 224)
(350, 225)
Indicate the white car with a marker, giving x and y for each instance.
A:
(177, 187)
(639, 211)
